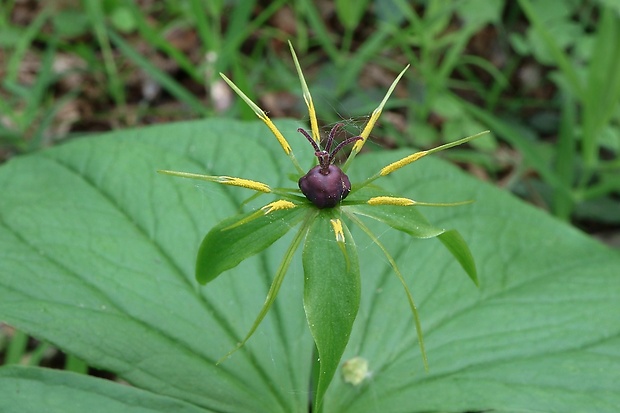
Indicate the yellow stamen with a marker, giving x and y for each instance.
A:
(414, 157)
(244, 183)
(277, 205)
(367, 129)
(226, 180)
(337, 225)
(261, 115)
(399, 164)
(314, 125)
(376, 113)
(267, 209)
(390, 200)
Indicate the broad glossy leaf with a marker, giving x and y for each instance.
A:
(540, 334)
(237, 238)
(97, 256)
(56, 391)
(331, 293)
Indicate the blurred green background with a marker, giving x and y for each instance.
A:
(542, 75)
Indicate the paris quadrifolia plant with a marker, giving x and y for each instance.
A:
(321, 209)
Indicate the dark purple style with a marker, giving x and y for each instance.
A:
(326, 185)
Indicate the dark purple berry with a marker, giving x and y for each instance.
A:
(326, 185)
(325, 189)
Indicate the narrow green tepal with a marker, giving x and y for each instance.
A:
(241, 236)
(403, 218)
(331, 293)
(457, 246)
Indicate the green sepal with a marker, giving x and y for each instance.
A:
(403, 218)
(457, 246)
(409, 220)
(331, 294)
(277, 281)
(240, 237)
(401, 278)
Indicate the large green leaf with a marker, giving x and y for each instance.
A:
(540, 334)
(61, 392)
(97, 256)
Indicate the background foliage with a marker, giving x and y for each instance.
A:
(540, 75)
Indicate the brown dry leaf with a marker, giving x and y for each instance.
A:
(220, 95)
(71, 70)
(65, 118)
(285, 20)
(279, 104)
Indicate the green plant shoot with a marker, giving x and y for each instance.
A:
(320, 211)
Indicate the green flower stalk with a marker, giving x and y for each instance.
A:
(321, 211)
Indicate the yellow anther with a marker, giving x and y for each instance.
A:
(277, 205)
(244, 183)
(314, 125)
(403, 162)
(337, 225)
(376, 113)
(390, 200)
(261, 115)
